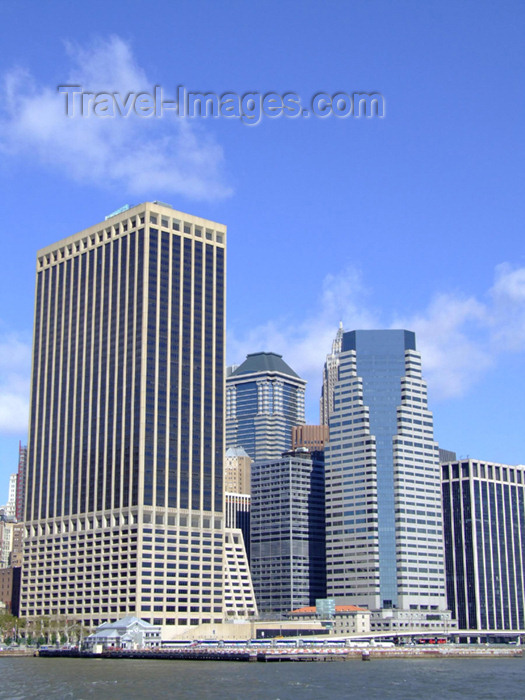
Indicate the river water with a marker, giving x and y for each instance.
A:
(399, 679)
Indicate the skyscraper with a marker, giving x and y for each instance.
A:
(10, 507)
(330, 375)
(237, 471)
(264, 400)
(237, 490)
(384, 529)
(20, 481)
(124, 497)
(313, 437)
(484, 521)
(288, 532)
(239, 593)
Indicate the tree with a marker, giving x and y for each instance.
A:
(8, 625)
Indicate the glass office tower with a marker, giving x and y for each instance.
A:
(384, 531)
(264, 401)
(484, 521)
(288, 532)
(124, 490)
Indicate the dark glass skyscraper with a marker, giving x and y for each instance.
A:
(288, 532)
(264, 401)
(484, 521)
(124, 476)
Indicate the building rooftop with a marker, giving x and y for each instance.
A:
(264, 362)
(311, 609)
(237, 452)
(125, 622)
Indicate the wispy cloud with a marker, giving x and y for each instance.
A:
(508, 307)
(460, 337)
(304, 343)
(136, 154)
(15, 367)
(452, 334)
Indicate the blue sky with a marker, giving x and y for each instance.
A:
(414, 220)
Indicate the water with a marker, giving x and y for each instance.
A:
(399, 679)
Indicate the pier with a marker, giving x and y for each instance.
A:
(247, 654)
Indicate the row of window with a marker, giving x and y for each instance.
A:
(108, 233)
(484, 471)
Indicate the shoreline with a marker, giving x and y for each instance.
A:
(288, 655)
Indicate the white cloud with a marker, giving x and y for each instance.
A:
(449, 336)
(508, 308)
(304, 344)
(15, 365)
(460, 337)
(137, 154)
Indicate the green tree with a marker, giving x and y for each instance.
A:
(8, 624)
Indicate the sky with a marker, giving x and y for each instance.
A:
(408, 219)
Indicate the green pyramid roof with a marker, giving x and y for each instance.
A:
(259, 362)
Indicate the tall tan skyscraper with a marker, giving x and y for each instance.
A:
(124, 494)
(237, 470)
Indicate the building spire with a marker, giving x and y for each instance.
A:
(330, 376)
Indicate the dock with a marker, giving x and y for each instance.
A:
(247, 654)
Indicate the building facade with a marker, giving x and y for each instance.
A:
(343, 620)
(239, 596)
(10, 507)
(10, 589)
(313, 437)
(330, 377)
(237, 490)
(383, 501)
(237, 471)
(6, 541)
(20, 481)
(127, 633)
(446, 456)
(124, 491)
(264, 400)
(484, 520)
(287, 556)
(16, 543)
